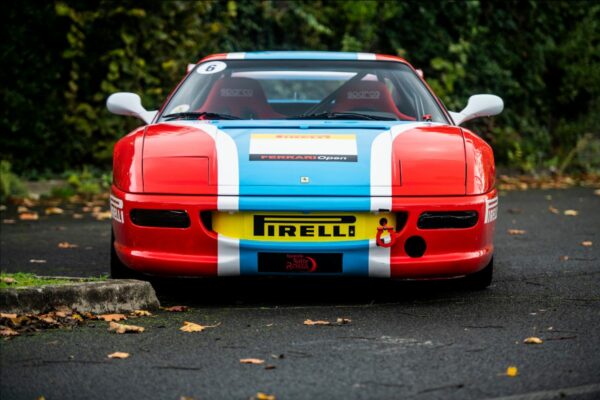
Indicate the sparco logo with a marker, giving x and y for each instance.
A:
(237, 92)
(305, 226)
(364, 95)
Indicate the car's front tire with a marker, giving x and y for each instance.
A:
(481, 279)
(118, 270)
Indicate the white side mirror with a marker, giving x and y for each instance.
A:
(189, 68)
(124, 103)
(479, 105)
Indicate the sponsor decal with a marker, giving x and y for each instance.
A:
(364, 95)
(315, 226)
(298, 263)
(116, 209)
(303, 147)
(491, 210)
(231, 92)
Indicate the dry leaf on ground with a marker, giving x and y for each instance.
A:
(102, 215)
(122, 328)
(175, 308)
(67, 245)
(597, 192)
(533, 340)
(8, 332)
(54, 211)
(512, 371)
(318, 322)
(36, 261)
(263, 396)
(343, 321)
(269, 366)
(192, 327)
(571, 213)
(118, 354)
(516, 232)
(8, 315)
(586, 243)
(553, 210)
(141, 313)
(255, 361)
(77, 216)
(9, 221)
(22, 209)
(8, 280)
(112, 317)
(564, 258)
(29, 216)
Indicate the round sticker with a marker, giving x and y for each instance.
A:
(180, 109)
(211, 67)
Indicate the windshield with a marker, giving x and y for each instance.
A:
(301, 89)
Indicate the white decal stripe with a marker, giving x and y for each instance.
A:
(379, 261)
(228, 256)
(228, 169)
(491, 210)
(381, 172)
(236, 56)
(366, 56)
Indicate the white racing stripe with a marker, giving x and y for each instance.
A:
(379, 260)
(228, 250)
(236, 56)
(366, 56)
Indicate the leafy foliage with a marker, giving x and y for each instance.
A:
(543, 58)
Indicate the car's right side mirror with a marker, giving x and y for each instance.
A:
(479, 105)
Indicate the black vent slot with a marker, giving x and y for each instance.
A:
(160, 218)
(447, 219)
(401, 218)
(206, 218)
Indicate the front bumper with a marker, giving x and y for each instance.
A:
(198, 251)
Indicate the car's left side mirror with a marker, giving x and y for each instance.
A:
(125, 103)
(479, 105)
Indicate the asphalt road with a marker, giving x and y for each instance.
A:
(406, 340)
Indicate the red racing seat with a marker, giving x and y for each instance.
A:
(367, 96)
(240, 97)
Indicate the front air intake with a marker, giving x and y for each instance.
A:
(447, 219)
(160, 218)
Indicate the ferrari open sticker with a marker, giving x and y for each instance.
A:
(491, 210)
(300, 147)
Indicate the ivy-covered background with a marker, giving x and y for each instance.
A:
(60, 60)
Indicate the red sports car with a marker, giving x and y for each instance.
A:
(304, 163)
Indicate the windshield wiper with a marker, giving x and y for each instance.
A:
(197, 115)
(342, 115)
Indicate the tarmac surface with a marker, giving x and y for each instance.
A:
(405, 340)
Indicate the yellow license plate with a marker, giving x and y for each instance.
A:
(299, 227)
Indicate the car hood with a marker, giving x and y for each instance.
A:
(304, 158)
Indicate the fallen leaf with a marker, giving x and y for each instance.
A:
(67, 245)
(264, 396)
(101, 216)
(175, 308)
(533, 340)
(22, 209)
(586, 243)
(8, 280)
(571, 213)
(86, 209)
(9, 221)
(27, 202)
(8, 315)
(122, 328)
(277, 356)
(343, 321)
(269, 366)
(597, 192)
(118, 354)
(6, 332)
(516, 232)
(29, 216)
(77, 216)
(514, 211)
(35, 261)
(54, 211)
(553, 210)
(112, 317)
(192, 327)
(512, 371)
(2, 207)
(564, 258)
(141, 313)
(255, 361)
(311, 322)
(77, 317)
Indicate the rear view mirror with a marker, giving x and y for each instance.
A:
(125, 103)
(479, 105)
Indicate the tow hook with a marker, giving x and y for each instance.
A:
(389, 239)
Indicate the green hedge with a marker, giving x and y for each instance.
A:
(61, 60)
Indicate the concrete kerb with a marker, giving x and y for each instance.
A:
(110, 296)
